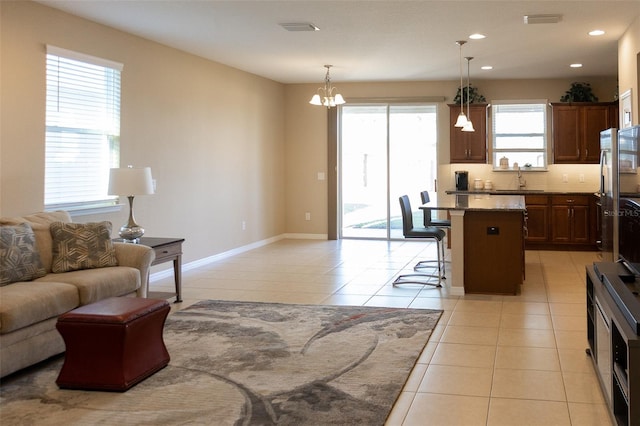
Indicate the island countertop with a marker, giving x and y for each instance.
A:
(472, 202)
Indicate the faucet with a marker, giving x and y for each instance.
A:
(521, 181)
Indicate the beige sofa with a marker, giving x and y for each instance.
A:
(29, 309)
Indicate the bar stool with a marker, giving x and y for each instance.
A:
(422, 233)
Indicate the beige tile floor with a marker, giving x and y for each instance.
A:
(492, 360)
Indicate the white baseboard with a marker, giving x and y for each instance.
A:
(156, 276)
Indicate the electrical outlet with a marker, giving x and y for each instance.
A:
(244, 225)
(307, 216)
(581, 177)
(565, 178)
(321, 176)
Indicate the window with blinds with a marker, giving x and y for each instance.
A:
(82, 129)
(519, 132)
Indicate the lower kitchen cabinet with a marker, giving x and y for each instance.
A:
(537, 219)
(561, 222)
(570, 219)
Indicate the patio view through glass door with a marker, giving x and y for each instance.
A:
(386, 151)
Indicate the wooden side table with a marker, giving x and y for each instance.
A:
(168, 249)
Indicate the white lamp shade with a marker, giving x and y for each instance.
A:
(315, 100)
(130, 181)
(468, 127)
(462, 120)
(339, 100)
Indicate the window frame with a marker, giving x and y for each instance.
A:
(544, 151)
(67, 135)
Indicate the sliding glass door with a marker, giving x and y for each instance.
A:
(386, 150)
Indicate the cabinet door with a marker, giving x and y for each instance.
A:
(458, 140)
(537, 223)
(566, 134)
(561, 223)
(594, 120)
(580, 224)
(469, 147)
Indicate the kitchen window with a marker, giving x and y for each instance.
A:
(82, 139)
(519, 133)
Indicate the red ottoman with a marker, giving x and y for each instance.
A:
(113, 344)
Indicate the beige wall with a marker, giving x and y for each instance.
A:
(212, 135)
(628, 63)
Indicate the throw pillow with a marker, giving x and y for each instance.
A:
(82, 246)
(19, 257)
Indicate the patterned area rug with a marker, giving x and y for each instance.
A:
(241, 363)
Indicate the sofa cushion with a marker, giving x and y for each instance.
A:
(82, 246)
(19, 257)
(40, 223)
(97, 284)
(27, 303)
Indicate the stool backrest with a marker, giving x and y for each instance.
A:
(424, 195)
(407, 214)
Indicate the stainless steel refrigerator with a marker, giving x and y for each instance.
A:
(609, 195)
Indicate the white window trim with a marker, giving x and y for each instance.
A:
(545, 150)
(110, 204)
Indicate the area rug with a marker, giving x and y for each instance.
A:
(242, 363)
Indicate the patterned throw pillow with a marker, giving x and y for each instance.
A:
(19, 257)
(82, 246)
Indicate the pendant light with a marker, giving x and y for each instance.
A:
(468, 127)
(462, 119)
(325, 95)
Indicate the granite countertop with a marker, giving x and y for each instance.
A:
(519, 192)
(484, 201)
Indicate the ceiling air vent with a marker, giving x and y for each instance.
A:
(299, 26)
(542, 19)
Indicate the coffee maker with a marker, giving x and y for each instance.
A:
(462, 180)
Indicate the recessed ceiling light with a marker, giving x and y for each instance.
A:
(596, 33)
(486, 67)
(576, 65)
(477, 36)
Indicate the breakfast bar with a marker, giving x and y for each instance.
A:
(487, 242)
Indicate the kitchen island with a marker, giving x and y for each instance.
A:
(487, 242)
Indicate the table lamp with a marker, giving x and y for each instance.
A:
(130, 181)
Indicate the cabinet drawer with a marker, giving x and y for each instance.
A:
(167, 252)
(536, 199)
(576, 200)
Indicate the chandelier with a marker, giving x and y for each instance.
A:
(325, 95)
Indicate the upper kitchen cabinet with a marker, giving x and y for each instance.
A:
(469, 147)
(576, 130)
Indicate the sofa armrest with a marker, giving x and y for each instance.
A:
(139, 257)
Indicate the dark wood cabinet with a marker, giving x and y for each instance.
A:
(576, 130)
(561, 222)
(537, 219)
(469, 147)
(493, 252)
(570, 219)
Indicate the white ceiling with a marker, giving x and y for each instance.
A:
(378, 40)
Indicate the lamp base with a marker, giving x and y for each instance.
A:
(131, 234)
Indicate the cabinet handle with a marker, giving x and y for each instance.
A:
(586, 152)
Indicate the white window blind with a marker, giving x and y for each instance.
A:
(519, 133)
(82, 129)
